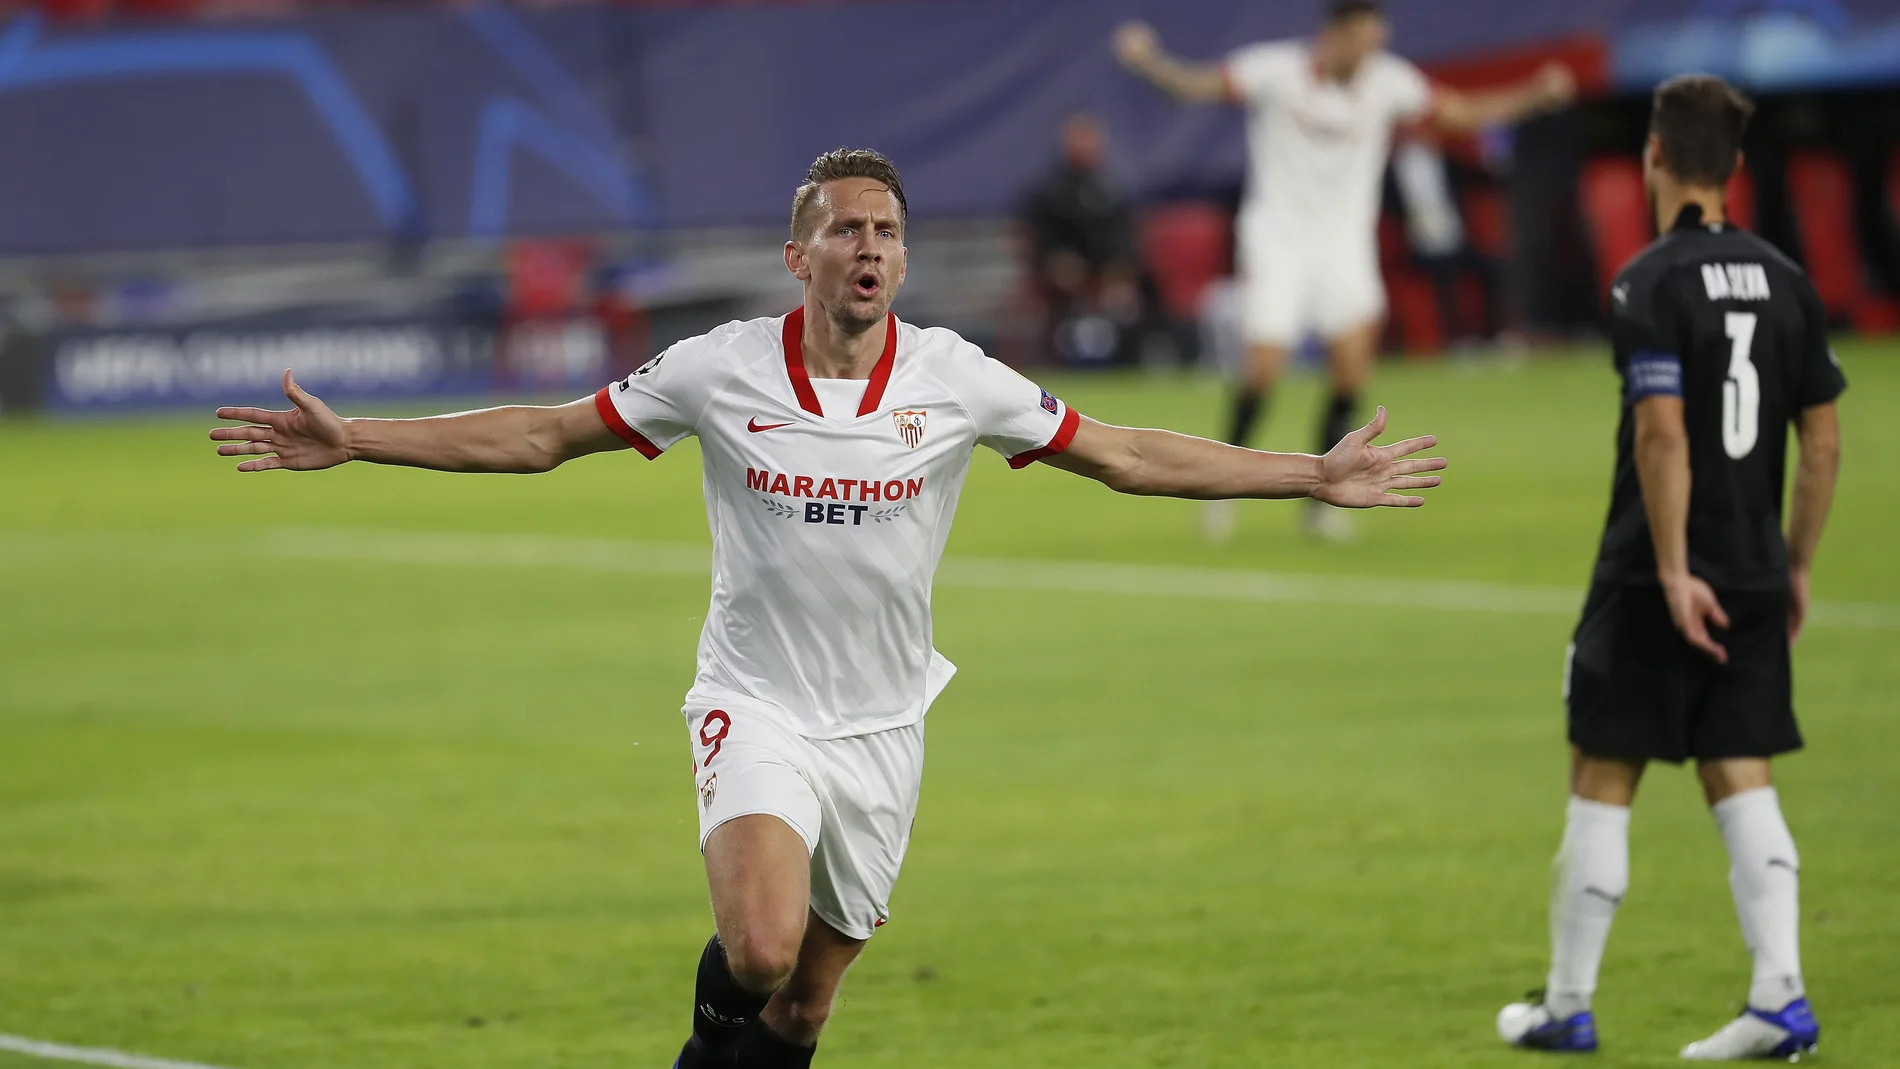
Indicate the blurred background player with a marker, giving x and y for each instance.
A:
(1320, 120)
(1684, 647)
(1085, 258)
(1435, 231)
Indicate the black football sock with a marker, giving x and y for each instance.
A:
(762, 1048)
(1339, 420)
(721, 1009)
(1247, 406)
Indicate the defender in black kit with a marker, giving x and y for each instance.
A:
(1684, 647)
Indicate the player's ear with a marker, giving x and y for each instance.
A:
(903, 263)
(795, 261)
(1652, 156)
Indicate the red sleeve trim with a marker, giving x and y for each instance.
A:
(1065, 434)
(604, 404)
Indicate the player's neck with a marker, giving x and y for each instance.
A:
(1671, 201)
(1327, 66)
(833, 352)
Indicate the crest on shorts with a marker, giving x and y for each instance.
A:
(910, 425)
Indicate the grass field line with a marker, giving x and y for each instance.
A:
(118, 1059)
(684, 560)
(1138, 580)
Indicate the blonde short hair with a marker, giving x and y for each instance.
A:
(844, 163)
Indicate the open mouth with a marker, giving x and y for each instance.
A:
(866, 285)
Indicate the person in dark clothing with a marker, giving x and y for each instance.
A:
(1441, 248)
(1701, 584)
(1086, 259)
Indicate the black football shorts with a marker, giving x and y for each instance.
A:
(1636, 689)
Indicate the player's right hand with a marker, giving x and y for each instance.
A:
(307, 437)
(1693, 607)
(1136, 43)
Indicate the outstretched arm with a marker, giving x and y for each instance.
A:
(517, 438)
(1355, 474)
(1459, 112)
(1139, 49)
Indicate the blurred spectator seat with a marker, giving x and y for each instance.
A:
(1821, 188)
(546, 278)
(1487, 225)
(1187, 246)
(1616, 205)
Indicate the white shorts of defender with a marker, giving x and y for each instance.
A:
(852, 800)
(1290, 289)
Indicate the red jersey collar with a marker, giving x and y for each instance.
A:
(801, 381)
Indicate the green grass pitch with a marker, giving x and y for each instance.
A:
(277, 811)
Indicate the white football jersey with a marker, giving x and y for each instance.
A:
(826, 531)
(1317, 148)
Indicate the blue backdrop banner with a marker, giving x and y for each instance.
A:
(484, 120)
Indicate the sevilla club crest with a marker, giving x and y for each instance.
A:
(910, 426)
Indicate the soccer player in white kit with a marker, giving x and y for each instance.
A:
(1320, 115)
(835, 441)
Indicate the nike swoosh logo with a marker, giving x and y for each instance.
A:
(1614, 900)
(755, 426)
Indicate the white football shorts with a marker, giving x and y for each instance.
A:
(852, 799)
(1294, 287)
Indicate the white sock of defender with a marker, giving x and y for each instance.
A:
(1592, 874)
(1764, 874)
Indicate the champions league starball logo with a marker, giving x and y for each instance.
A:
(910, 426)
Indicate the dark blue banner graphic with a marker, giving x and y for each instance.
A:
(241, 365)
(351, 360)
(480, 121)
(364, 125)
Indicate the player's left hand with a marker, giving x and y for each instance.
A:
(1356, 474)
(305, 437)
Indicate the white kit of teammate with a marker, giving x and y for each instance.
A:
(1308, 254)
(1320, 118)
(815, 506)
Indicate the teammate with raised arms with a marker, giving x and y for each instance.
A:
(1320, 116)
